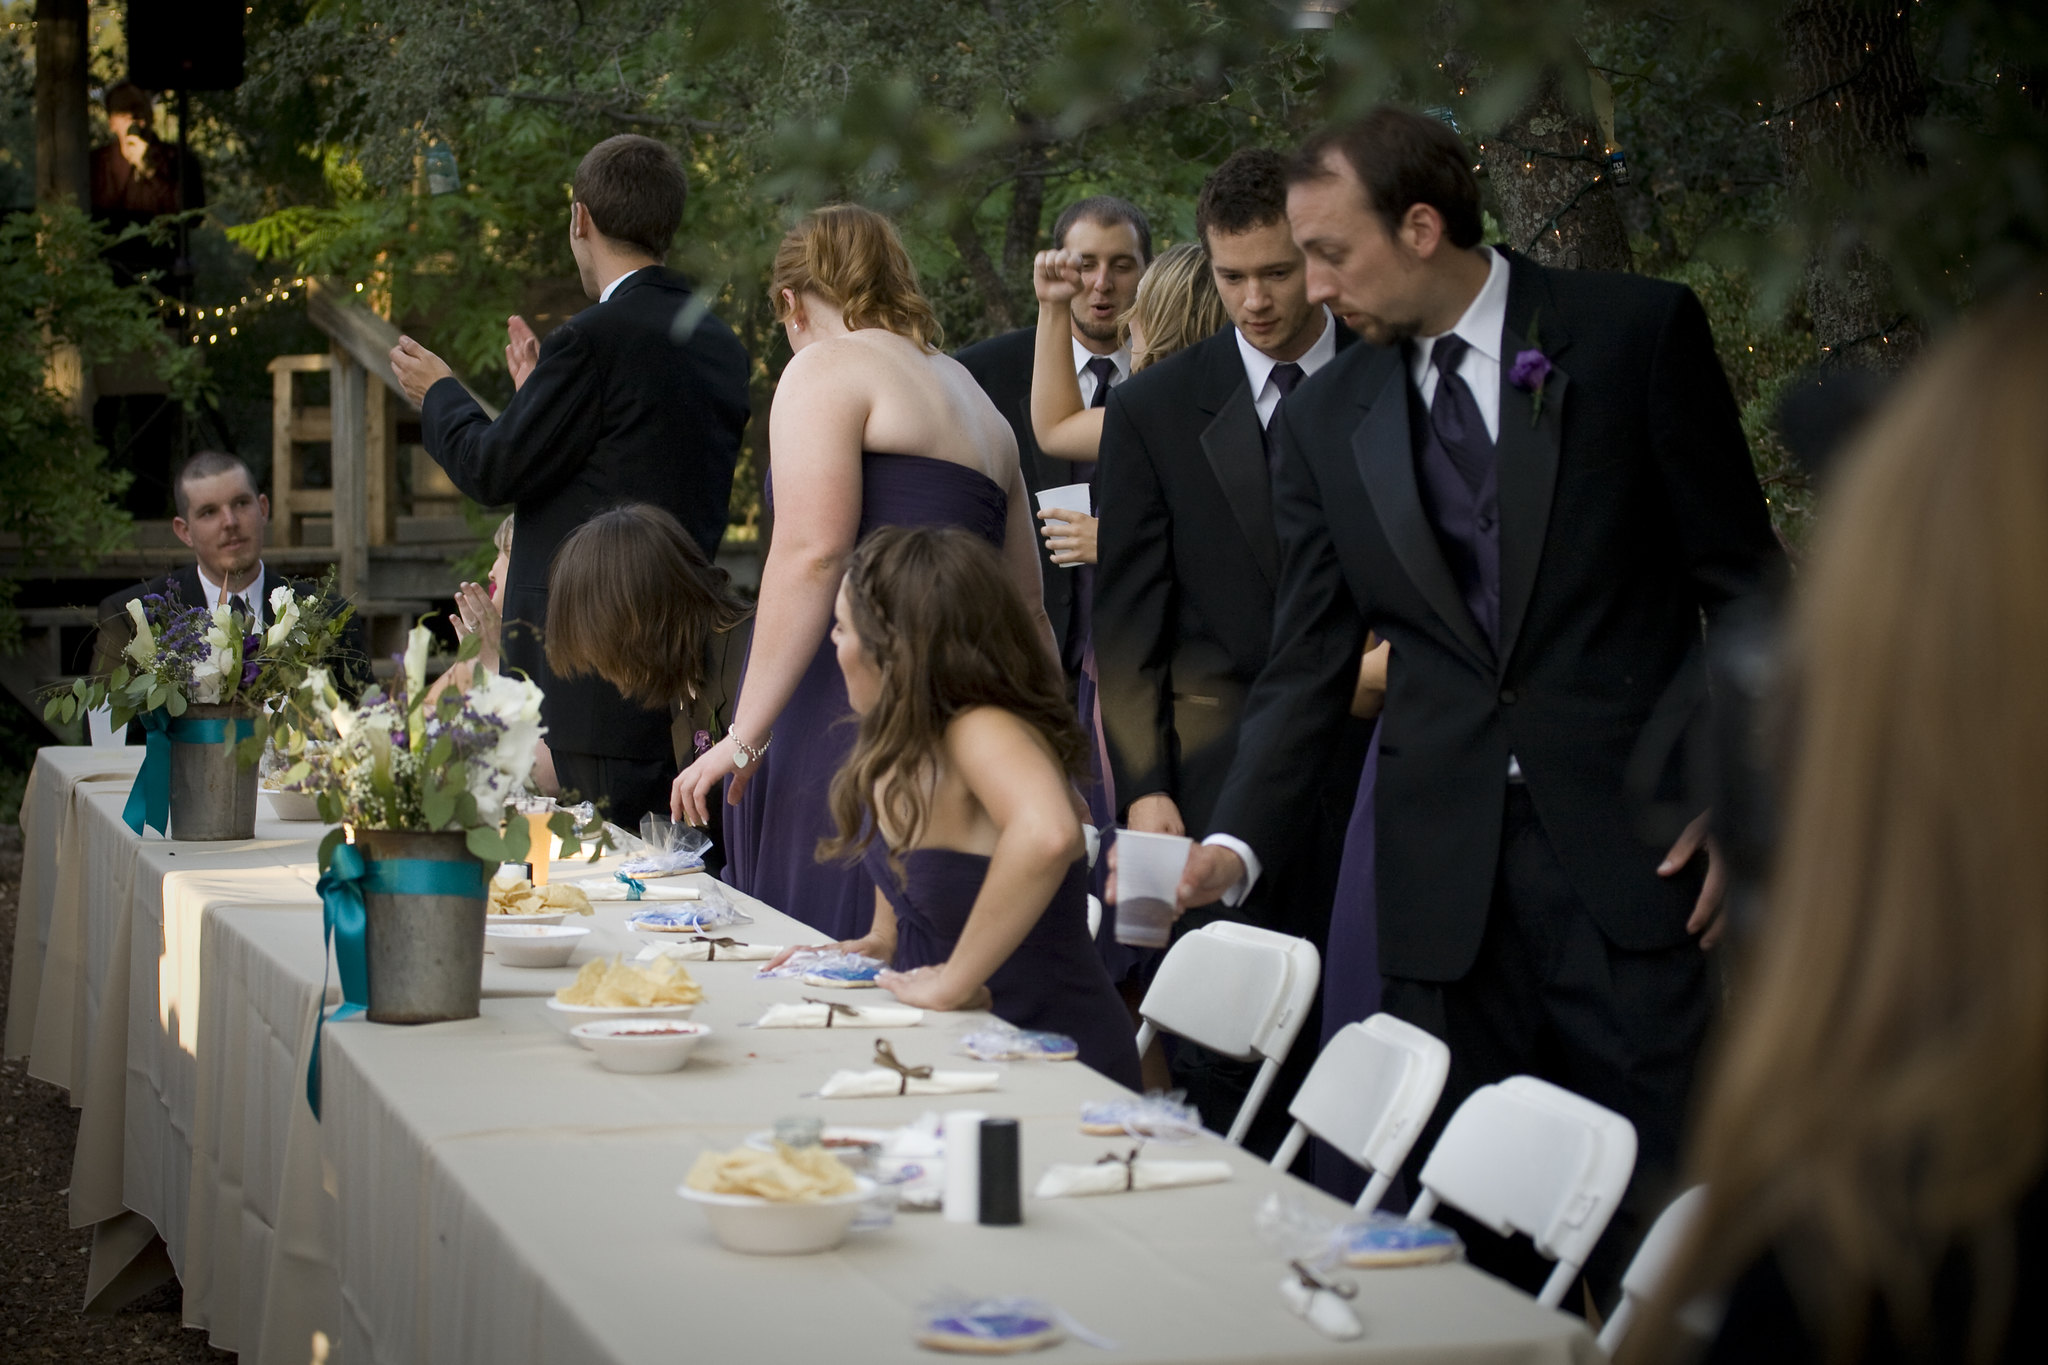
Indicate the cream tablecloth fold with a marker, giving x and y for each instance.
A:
(1063, 1179)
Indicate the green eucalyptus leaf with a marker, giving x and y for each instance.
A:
(329, 844)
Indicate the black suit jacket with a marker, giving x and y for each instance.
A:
(1002, 366)
(350, 670)
(1628, 506)
(1189, 563)
(616, 411)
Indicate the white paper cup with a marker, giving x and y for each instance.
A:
(1071, 497)
(1148, 868)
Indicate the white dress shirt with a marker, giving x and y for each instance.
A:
(1259, 367)
(216, 594)
(1120, 357)
(605, 295)
(1482, 326)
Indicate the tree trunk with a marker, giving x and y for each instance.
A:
(1548, 169)
(1027, 205)
(988, 281)
(61, 151)
(1847, 126)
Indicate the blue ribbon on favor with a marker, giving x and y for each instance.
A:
(149, 800)
(635, 888)
(349, 874)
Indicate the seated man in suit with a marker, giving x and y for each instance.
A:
(640, 398)
(1114, 241)
(1188, 564)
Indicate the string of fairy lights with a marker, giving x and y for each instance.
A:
(210, 323)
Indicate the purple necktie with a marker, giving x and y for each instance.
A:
(1454, 414)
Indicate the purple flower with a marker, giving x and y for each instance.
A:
(251, 644)
(1530, 369)
(703, 742)
(249, 671)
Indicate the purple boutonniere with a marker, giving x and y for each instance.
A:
(702, 739)
(1530, 369)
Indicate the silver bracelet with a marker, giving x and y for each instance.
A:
(747, 753)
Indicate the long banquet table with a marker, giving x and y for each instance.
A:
(483, 1191)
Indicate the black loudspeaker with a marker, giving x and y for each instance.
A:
(185, 44)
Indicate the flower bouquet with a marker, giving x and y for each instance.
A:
(204, 683)
(422, 784)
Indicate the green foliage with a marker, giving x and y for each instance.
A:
(61, 310)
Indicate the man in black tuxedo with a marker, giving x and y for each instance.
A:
(641, 398)
(222, 518)
(1533, 485)
(1114, 241)
(1189, 560)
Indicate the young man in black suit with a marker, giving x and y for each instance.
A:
(1533, 485)
(1114, 241)
(1189, 560)
(222, 519)
(641, 398)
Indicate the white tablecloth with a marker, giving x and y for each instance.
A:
(483, 1191)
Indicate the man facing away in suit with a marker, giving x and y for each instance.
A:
(639, 398)
(1189, 564)
(1113, 238)
(1533, 484)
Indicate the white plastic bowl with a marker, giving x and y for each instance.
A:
(533, 945)
(567, 1017)
(630, 1045)
(292, 805)
(551, 917)
(762, 1227)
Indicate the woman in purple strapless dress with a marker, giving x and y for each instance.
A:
(871, 426)
(958, 795)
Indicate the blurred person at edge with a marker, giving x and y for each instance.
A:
(1874, 1134)
(480, 611)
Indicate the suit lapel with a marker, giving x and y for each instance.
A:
(1528, 446)
(191, 591)
(1237, 456)
(1386, 463)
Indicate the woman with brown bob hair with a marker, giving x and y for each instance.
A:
(1875, 1135)
(871, 427)
(632, 599)
(958, 795)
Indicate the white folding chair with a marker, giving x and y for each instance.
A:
(1526, 1156)
(99, 724)
(1374, 1086)
(1237, 990)
(1652, 1262)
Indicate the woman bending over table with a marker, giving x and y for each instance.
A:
(958, 796)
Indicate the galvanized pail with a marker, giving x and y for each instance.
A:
(426, 953)
(213, 794)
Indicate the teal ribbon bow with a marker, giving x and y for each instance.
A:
(344, 919)
(149, 800)
(635, 888)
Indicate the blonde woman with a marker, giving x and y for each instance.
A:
(871, 426)
(1875, 1135)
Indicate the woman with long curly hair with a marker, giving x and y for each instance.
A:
(958, 795)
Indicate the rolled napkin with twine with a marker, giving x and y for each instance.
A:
(710, 950)
(831, 1014)
(894, 1077)
(1115, 1174)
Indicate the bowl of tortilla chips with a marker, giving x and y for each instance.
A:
(521, 902)
(614, 988)
(790, 1201)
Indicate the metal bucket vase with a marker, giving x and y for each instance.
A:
(425, 952)
(213, 794)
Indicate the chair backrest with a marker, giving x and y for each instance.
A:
(99, 725)
(1652, 1262)
(1235, 989)
(1527, 1156)
(1372, 1089)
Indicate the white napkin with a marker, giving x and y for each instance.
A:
(612, 889)
(1064, 1178)
(867, 1085)
(702, 950)
(863, 1016)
